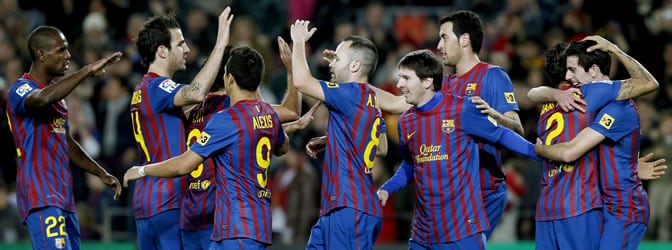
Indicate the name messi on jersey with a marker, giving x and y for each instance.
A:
(262, 121)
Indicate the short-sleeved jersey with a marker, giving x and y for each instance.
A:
(198, 203)
(40, 134)
(158, 129)
(623, 194)
(571, 189)
(493, 85)
(439, 141)
(241, 140)
(353, 130)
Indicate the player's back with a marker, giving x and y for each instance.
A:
(353, 137)
(243, 205)
(570, 189)
(159, 131)
(447, 186)
(198, 205)
(43, 174)
(624, 195)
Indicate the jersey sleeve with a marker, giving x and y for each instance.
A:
(162, 95)
(340, 97)
(599, 94)
(280, 131)
(219, 133)
(18, 94)
(614, 121)
(475, 123)
(498, 91)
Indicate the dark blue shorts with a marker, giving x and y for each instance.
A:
(579, 232)
(345, 228)
(159, 231)
(53, 228)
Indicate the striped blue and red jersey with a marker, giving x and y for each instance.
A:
(198, 203)
(571, 189)
(158, 128)
(40, 134)
(493, 85)
(440, 155)
(241, 140)
(354, 130)
(622, 191)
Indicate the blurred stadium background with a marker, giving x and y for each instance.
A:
(517, 33)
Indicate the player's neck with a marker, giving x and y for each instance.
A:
(160, 69)
(238, 95)
(468, 62)
(40, 75)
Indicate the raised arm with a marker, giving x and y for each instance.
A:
(292, 101)
(199, 87)
(641, 81)
(303, 80)
(57, 91)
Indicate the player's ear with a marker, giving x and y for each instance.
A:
(162, 51)
(428, 83)
(355, 66)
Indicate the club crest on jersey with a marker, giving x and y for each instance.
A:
(23, 89)
(471, 89)
(168, 85)
(332, 85)
(203, 139)
(607, 121)
(510, 98)
(59, 243)
(448, 126)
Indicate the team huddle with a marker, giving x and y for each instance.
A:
(205, 147)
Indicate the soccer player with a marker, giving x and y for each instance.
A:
(440, 155)
(240, 139)
(615, 129)
(461, 38)
(38, 118)
(350, 217)
(157, 113)
(197, 213)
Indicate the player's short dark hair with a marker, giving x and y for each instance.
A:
(425, 64)
(154, 33)
(555, 65)
(40, 38)
(365, 51)
(246, 65)
(465, 21)
(588, 59)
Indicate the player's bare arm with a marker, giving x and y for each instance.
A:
(85, 162)
(382, 146)
(316, 145)
(279, 151)
(177, 166)
(641, 81)
(390, 103)
(56, 91)
(198, 89)
(571, 150)
(302, 122)
(303, 80)
(568, 100)
(292, 100)
(509, 119)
